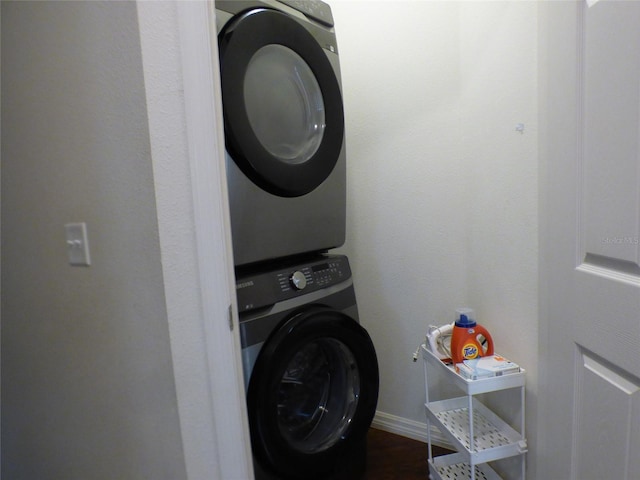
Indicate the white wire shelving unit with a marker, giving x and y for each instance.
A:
(478, 435)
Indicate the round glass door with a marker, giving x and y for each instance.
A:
(282, 104)
(318, 395)
(312, 393)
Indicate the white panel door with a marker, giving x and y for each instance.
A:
(589, 406)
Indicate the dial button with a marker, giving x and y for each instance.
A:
(298, 280)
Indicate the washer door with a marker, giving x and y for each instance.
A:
(283, 113)
(312, 394)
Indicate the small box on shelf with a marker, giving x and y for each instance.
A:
(486, 367)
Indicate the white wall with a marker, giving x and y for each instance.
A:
(87, 377)
(442, 209)
(442, 188)
(115, 121)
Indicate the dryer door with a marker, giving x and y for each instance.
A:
(283, 113)
(312, 394)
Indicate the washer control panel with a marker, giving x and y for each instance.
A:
(265, 288)
(312, 277)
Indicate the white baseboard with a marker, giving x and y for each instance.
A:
(408, 428)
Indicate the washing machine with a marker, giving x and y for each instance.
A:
(284, 127)
(310, 368)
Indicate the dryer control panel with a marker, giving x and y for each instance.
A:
(315, 9)
(267, 287)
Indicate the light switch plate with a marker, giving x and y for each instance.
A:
(77, 244)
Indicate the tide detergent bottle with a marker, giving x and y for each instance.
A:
(466, 341)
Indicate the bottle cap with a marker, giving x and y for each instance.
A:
(465, 317)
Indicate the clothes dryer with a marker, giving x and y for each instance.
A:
(284, 127)
(311, 371)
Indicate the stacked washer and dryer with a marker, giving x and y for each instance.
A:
(311, 371)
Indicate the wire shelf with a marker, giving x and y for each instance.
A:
(492, 437)
(451, 467)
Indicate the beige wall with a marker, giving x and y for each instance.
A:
(442, 188)
(87, 378)
(442, 213)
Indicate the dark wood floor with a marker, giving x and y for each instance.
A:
(393, 457)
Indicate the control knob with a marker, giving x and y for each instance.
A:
(298, 280)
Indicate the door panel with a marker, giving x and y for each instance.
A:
(599, 384)
(590, 217)
(610, 98)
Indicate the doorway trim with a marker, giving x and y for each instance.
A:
(182, 82)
